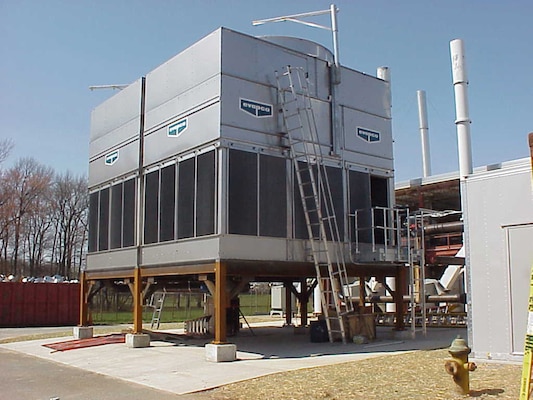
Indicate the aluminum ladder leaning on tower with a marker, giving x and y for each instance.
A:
(306, 155)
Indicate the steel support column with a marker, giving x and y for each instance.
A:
(398, 298)
(84, 308)
(220, 302)
(362, 291)
(288, 303)
(304, 300)
(137, 302)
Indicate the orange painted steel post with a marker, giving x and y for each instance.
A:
(83, 300)
(137, 302)
(398, 298)
(220, 302)
(288, 304)
(304, 300)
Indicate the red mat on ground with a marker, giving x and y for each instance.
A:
(89, 342)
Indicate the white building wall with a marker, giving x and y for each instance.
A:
(499, 216)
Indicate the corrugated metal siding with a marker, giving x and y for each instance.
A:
(39, 304)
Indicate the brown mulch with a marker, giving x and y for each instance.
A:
(417, 375)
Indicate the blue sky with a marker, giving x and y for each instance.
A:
(52, 51)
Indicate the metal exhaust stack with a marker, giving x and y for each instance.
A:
(462, 119)
(424, 135)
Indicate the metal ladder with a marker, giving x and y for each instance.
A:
(325, 239)
(157, 301)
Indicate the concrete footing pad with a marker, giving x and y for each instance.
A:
(82, 332)
(400, 335)
(220, 352)
(137, 340)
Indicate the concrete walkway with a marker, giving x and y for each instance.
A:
(176, 364)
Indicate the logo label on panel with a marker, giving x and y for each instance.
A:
(111, 158)
(258, 110)
(368, 135)
(177, 128)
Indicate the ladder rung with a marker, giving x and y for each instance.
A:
(294, 129)
(345, 312)
(322, 251)
(292, 115)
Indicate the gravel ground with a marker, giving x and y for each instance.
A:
(417, 375)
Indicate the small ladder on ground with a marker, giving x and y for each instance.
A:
(325, 239)
(157, 301)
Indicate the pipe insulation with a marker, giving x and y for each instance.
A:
(445, 298)
(445, 227)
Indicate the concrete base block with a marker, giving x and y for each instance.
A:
(137, 340)
(82, 332)
(220, 352)
(401, 335)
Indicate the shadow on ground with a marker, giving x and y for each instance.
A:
(286, 342)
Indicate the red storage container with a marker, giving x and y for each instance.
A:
(39, 304)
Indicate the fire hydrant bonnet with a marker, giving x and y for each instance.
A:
(459, 347)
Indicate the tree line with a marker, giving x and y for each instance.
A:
(43, 219)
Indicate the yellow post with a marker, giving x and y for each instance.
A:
(525, 386)
(220, 302)
(83, 300)
(137, 302)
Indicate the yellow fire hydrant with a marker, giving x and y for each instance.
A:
(458, 366)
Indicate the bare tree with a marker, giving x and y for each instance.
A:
(6, 145)
(24, 183)
(69, 205)
(37, 225)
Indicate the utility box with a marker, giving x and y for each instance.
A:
(278, 300)
(499, 220)
(219, 182)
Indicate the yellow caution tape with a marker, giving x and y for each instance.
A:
(525, 385)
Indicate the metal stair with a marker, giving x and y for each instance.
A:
(326, 242)
(417, 278)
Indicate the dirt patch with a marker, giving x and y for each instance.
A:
(417, 375)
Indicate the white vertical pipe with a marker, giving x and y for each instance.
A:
(335, 31)
(424, 135)
(462, 118)
(383, 73)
